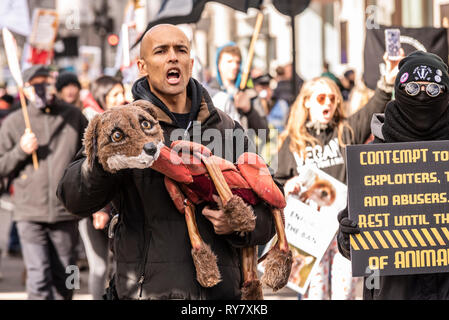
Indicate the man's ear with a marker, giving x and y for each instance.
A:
(90, 140)
(142, 67)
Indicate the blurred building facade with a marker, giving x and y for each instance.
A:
(329, 31)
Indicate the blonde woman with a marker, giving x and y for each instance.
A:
(316, 134)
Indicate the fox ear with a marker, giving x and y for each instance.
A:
(90, 140)
(146, 106)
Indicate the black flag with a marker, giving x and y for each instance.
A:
(189, 11)
(427, 39)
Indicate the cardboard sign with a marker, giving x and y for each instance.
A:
(45, 29)
(311, 222)
(398, 195)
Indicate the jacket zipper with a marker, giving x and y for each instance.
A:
(141, 280)
(142, 273)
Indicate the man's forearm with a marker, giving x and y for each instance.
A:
(84, 191)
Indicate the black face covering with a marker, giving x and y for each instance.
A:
(420, 117)
(43, 96)
(421, 112)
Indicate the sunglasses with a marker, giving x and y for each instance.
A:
(432, 89)
(321, 98)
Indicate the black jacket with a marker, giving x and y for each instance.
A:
(151, 243)
(405, 287)
(59, 130)
(328, 155)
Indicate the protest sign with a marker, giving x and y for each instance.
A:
(398, 196)
(45, 29)
(311, 223)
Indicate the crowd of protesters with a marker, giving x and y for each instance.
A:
(327, 111)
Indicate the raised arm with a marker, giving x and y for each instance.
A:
(360, 121)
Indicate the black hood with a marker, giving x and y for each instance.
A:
(422, 112)
(393, 127)
(141, 90)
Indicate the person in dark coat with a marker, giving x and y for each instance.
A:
(151, 242)
(419, 113)
(48, 232)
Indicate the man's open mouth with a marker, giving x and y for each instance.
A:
(173, 76)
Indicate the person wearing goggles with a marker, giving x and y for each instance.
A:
(316, 134)
(419, 113)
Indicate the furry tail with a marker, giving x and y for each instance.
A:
(278, 266)
(205, 261)
(239, 214)
(252, 290)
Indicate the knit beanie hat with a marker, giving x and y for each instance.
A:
(418, 117)
(66, 78)
(422, 66)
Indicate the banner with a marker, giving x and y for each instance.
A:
(311, 223)
(428, 39)
(398, 195)
(39, 46)
(14, 16)
(89, 64)
(189, 11)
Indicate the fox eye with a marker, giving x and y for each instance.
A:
(117, 136)
(145, 124)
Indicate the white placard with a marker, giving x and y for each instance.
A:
(12, 56)
(311, 222)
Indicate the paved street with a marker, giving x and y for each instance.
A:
(11, 269)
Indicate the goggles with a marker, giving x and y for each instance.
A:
(414, 88)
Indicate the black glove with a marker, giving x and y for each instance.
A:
(347, 227)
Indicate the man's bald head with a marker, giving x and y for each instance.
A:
(165, 61)
(156, 32)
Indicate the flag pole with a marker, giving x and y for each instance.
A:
(27, 125)
(13, 63)
(252, 46)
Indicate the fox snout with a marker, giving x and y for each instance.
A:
(150, 148)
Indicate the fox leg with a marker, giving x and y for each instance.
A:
(205, 261)
(279, 259)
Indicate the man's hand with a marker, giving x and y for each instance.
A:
(100, 220)
(217, 218)
(28, 142)
(391, 67)
(242, 101)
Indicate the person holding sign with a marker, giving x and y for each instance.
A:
(48, 233)
(419, 113)
(316, 134)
